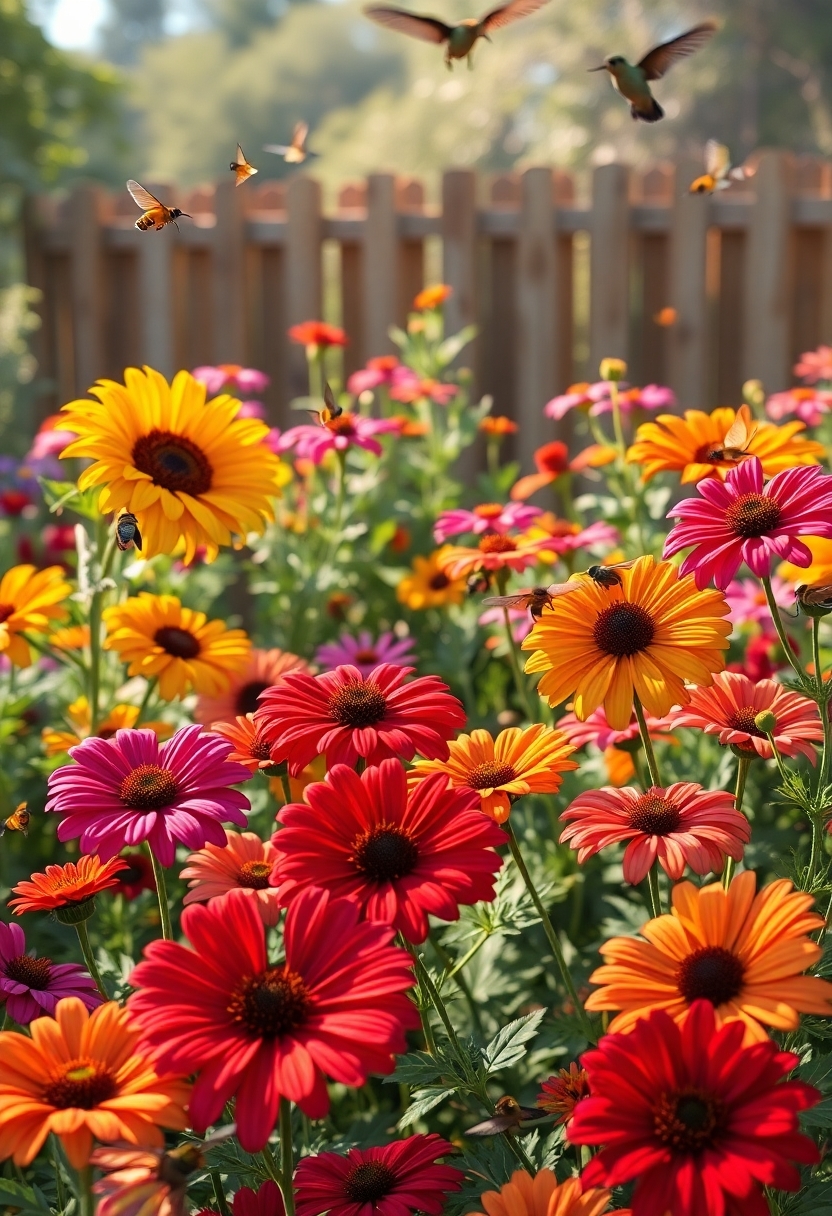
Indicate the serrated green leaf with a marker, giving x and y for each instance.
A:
(507, 1046)
(425, 1100)
(25, 1198)
(416, 1068)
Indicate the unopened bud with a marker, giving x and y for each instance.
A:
(75, 913)
(613, 369)
(753, 393)
(766, 722)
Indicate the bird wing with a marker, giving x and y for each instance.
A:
(299, 135)
(506, 13)
(657, 61)
(277, 149)
(141, 197)
(717, 159)
(429, 29)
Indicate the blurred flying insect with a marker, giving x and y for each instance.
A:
(296, 152)
(508, 1116)
(331, 408)
(460, 38)
(608, 576)
(156, 214)
(241, 168)
(734, 446)
(17, 822)
(719, 173)
(127, 532)
(814, 600)
(631, 80)
(478, 582)
(533, 598)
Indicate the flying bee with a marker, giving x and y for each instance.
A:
(296, 152)
(127, 532)
(241, 167)
(156, 215)
(17, 822)
(533, 598)
(737, 438)
(331, 408)
(815, 600)
(508, 1116)
(478, 582)
(719, 173)
(608, 576)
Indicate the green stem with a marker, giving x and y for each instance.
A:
(823, 707)
(817, 849)
(219, 1193)
(743, 765)
(519, 681)
(461, 982)
(646, 741)
(822, 933)
(89, 958)
(654, 889)
(96, 606)
(549, 930)
(287, 788)
(271, 1165)
(287, 1161)
(162, 894)
(85, 1200)
(151, 685)
(469, 954)
(430, 988)
(777, 621)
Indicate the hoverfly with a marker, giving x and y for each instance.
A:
(127, 532)
(156, 215)
(815, 600)
(296, 152)
(608, 576)
(737, 438)
(241, 167)
(533, 598)
(17, 822)
(718, 173)
(508, 1115)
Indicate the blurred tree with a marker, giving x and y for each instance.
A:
(129, 26)
(242, 20)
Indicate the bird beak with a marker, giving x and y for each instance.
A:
(190, 217)
(602, 68)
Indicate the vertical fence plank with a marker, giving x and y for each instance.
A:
(769, 274)
(303, 271)
(730, 317)
(42, 340)
(498, 342)
(86, 214)
(609, 285)
(459, 252)
(380, 263)
(156, 292)
(688, 362)
(536, 311)
(352, 201)
(410, 198)
(228, 260)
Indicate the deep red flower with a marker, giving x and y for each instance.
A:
(317, 333)
(265, 1201)
(137, 878)
(700, 1122)
(257, 1029)
(402, 855)
(392, 1180)
(343, 715)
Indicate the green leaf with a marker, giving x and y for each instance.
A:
(25, 1198)
(416, 1068)
(507, 1046)
(423, 1101)
(65, 494)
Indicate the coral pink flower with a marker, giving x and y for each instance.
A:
(577, 396)
(699, 1122)
(365, 652)
(231, 376)
(742, 520)
(265, 668)
(552, 461)
(678, 826)
(31, 987)
(257, 1029)
(401, 855)
(488, 517)
(597, 398)
(815, 365)
(244, 864)
(131, 788)
(398, 1179)
(343, 715)
(377, 372)
(728, 708)
(407, 386)
(345, 431)
(249, 745)
(317, 334)
(596, 729)
(747, 601)
(493, 552)
(809, 404)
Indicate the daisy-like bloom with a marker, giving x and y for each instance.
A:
(249, 745)
(265, 1201)
(316, 335)
(336, 435)
(408, 386)
(49, 441)
(377, 372)
(137, 877)
(144, 1182)
(596, 729)
(72, 637)
(401, 855)
(743, 952)
(744, 520)
(561, 1093)
(432, 297)
(502, 770)
(810, 405)
(552, 461)
(596, 399)
(232, 376)
(748, 604)
(243, 863)
(191, 471)
(398, 1178)
(698, 1120)
(178, 646)
(264, 669)
(82, 1075)
(820, 569)
(646, 636)
(686, 446)
(563, 536)
(677, 826)
(497, 426)
(32, 987)
(336, 1004)
(131, 788)
(815, 365)
(428, 586)
(365, 652)
(488, 517)
(343, 715)
(66, 888)
(494, 551)
(120, 717)
(728, 708)
(543, 1195)
(30, 600)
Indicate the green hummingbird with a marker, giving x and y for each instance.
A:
(631, 80)
(460, 38)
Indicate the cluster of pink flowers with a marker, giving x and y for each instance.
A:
(401, 382)
(596, 399)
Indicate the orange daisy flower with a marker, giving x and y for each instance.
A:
(497, 425)
(72, 637)
(543, 1195)
(561, 1093)
(743, 952)
(820, 570)
(67, 887)
(552, 461)
(245, 863)
(493, 551)
(120, 717)
(29, 600)
(502, 770)
(250, 746)
(81, 1075)
(432, 297)
(264, 669)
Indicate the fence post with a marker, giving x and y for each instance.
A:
(688, 264)
(229, 265)
(768, 271)
(536, 311)
(381, 263)
(609, 259)
(303, 270)
(156, 294)
(86, 213)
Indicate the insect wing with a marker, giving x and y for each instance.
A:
(143, 198)
(521, 600)
(717, 159)
(493, 1126)
(299, 135)
(277, 149)
(741, 431)
(241, 167)
(331, 407)
(557, 589)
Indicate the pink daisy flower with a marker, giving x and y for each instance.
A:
(747, 601)
(244, 864)
(815, 365)
(596, 729)
(131, 788)
(808, 404)
(598, 400)
(488, 517)
(407, 386)
(365, 653)
(232, 376)
(378, 371)
(680, 826)
(743, 520)
(577, 396)
(520, 618)
(562, 536)
(345, 431)
(32, 987)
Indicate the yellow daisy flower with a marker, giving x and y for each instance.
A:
(160, 638)
(820, 570)
(73, 637)
(191, 471)
(429, 586)
(29, 600)
(120, 717)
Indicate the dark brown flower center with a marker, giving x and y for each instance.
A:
(148, 788)
(439, 582)
(177, 642)
(260, 749)
(711, 973)
(385, 853)
(743, 719)
(254, 875)
(366, 657)
(6, 611)
(271, 1004)
(33, 972)
(246, 701)
(344, 424)
(689, 1120)
(655, 816)
(490, 774)
(494, 543)
(84, 1084)
(358, 704)
(174, 462)
(369, 1182)
(753, 515)
(623, 629)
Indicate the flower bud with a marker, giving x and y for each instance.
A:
(75, 913)
(766, 722)
(754, 394)
(613, 369)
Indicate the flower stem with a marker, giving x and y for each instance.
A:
(654, 889)
(823, 706)
(162, 893)
(86, 1206)
(646, 741)
(148, 693)
(777, 621)
(287, 789)
(514, 658)
(287, 1161)
(743, 765)
(89, 958)
(461, 982)
(425, 981)
(219, 1193)
(95, 628)
(469, 954)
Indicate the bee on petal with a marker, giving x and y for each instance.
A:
(127, 532)
(155, 214)
(17, 822)
(737, 438)
(608, 576)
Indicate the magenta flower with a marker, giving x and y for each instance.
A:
(407, 386)
(595, 398)
(379, 371)
(520, 619)
(596, 729)
(577, 396)
(364, 653)
(131, 788)
(31, 987)
(488, 517)
(742, 520)
(747, 601)
(232, 376)
(347, 430)
(809, 404)
(564, 540)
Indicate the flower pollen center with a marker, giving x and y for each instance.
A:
(743, 719)
(148, 788)
(688, 1121)
(260, 749)
(33, 972)
(173, 462)
(385, 853)
(358, 704)
(246, 701)
(83, 1084)
(490, 774)
(710, 973)
(654, 816)
(179, 643)
(753, 515)
(342, 425)
(488, 510)
(271, 1004)
(439, 582)
(366, 658)
(495, 543)
(254, 875)
(369, 1182)
(6, 611)
(623, 629)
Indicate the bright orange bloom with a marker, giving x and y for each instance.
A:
(493, 551)
(120, 717)
(543, 1195)
(432, 297)
(744, 953)
(561, 1093)
(498, 425)
(553, 461)
(73, 637)
(820, 570)
(429, 586)
(264, 669)
(317, 334)
(29, 600)
(250, 747)
(81, 1076)
(66, 886)
(244, 863)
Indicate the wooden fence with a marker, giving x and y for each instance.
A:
(552, 286)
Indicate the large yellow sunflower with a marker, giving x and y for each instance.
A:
(191, 471)
(160, 638)
(29, 600)
(684, 445)
(647, 636)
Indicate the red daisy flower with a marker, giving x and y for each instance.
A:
(261, 1030)
(344, 715)
(700, 1122)
(402, 856)
(265, 1201)
(561, 1093)
(317, 333)
(388, 1181)
(137, 877)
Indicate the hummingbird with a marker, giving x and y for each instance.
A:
(296, 152)
(631, 80)
(719, 172)
(460, 38)
(508, 1116)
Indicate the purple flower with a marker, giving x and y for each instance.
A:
(232, 376)
(131, 788)
(313, 442)
(31, 987)
(488, 517)
(364, 653)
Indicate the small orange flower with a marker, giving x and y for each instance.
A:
(73, 637)
(561, 1093)
(543, 1195)
(553, 461)
(317, 334)
(493, 551)
(498, 425)
(432, 297)
(29, 600)
(244, 863)
(66, 886)
(250, 747)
